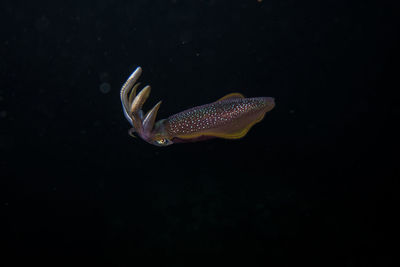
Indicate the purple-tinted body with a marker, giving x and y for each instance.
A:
(230, 117)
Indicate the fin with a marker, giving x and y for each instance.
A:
(231, 96)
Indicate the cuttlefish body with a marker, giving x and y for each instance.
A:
(230, 117)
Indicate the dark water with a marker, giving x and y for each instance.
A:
(312, 183)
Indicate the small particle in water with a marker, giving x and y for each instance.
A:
(3, 114)
(186, 37)
(105, 88)
(1, 98)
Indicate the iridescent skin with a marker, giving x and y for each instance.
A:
(230, 117)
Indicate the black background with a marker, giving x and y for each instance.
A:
(312, 183)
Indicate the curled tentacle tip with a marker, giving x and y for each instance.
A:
(131, 132)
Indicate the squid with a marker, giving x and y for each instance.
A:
(230, 117)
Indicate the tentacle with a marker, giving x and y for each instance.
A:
(131, 132)
(132, 106)
(135, 109)
(150, 118)
(132, 94)
(125, 90)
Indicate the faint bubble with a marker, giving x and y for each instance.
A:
(291, 111)
(3, 114)
(42, 23)
(105, 88)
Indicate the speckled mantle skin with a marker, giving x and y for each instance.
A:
(226, 118)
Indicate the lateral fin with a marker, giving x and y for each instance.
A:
(231, 96)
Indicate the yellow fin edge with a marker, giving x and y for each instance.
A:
(231, 95)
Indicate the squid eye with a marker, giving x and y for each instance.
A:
(163, 142)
